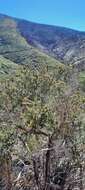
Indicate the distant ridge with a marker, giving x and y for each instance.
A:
(38, 23)
(66, 45)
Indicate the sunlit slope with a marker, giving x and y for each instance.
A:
(15, 47)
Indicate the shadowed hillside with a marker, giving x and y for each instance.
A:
(62, 43)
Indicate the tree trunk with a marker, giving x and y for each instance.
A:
(5, 172)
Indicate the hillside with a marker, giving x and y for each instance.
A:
(64, 44)
(14, 47)
(7, 67)
(42, 107)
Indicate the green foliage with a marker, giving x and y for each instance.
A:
(82, 80)
(38, 101)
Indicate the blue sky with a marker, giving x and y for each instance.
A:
(68, 13)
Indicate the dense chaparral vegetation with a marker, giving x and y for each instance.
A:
(42, 110)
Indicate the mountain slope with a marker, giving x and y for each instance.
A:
(41, 117)
(7, 67)
(14, 46)
(64, 44)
